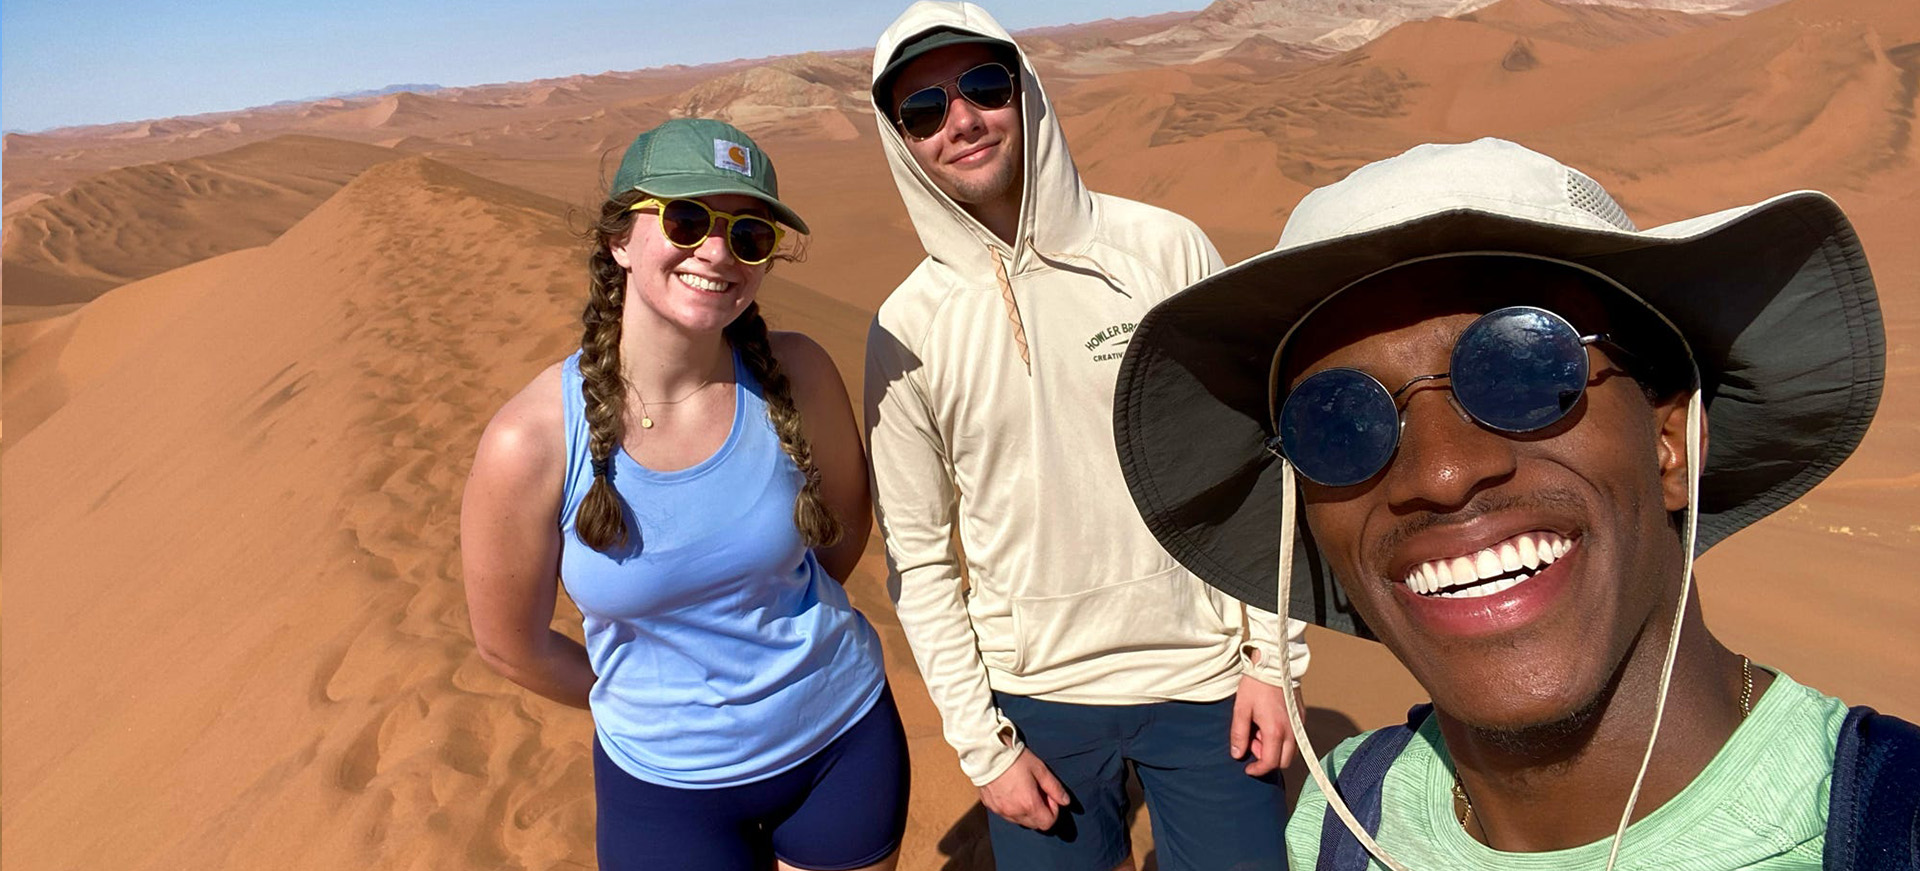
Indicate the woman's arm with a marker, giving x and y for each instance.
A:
(510, 546)
(827, 414)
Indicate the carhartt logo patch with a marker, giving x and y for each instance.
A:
(734, 156)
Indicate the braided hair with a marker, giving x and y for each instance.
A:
(601, 522)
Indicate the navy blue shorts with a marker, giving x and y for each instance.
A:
(844, 808)
(1208, 814)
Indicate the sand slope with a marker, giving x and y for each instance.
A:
(142, 220)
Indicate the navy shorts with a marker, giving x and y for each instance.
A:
(846, 807)
(1208, 814)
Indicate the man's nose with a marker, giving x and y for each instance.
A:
(1444, 457)
(962, 115)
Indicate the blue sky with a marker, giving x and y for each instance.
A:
(65, 62)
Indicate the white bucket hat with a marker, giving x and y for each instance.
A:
(1774, 299)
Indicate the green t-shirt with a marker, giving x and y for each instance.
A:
(1761, 803)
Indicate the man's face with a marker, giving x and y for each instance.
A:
(975, 157)
(1599, 484)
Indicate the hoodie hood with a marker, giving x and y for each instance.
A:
(1056, 210)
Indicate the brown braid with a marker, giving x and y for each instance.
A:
(748, 334)
(601, 522)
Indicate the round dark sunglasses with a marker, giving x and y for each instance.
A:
(924, 112)
(687, 223)
(1515, 370)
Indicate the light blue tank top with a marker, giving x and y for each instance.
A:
(725, 654)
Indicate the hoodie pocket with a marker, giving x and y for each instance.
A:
(1161, 611)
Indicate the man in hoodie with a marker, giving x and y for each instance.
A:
(1060, 643)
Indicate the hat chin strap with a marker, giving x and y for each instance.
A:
(1288, 692)
(1694, 414)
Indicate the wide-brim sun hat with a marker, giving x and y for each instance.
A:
(1775, 301)
(701, 157)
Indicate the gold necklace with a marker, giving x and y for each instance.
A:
(1465, 810)
(1464, 806)
(646, 421)
(1746, 687)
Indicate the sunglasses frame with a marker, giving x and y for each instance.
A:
(1276, 445)
(950, 90)
(659, 205)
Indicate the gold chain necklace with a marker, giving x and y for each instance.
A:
(1463, 810)
(646, 421)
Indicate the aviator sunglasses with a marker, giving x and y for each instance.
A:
(1515, 370)
(687, 223)
(924, 112)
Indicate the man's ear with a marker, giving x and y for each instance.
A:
(1672, 418)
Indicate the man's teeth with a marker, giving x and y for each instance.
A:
(698, 283)
(1511, 562)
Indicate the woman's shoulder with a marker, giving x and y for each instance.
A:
(807, 364)
(527, 439)
(797, 348)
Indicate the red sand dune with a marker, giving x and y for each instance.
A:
(130, 223)
(235, 632)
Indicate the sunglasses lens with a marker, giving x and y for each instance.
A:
(1519, 369)
(923, 111)
(1339, 427)
(988, 86)
(752, 239)
(686, 222)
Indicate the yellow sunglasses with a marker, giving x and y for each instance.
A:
(687, 223)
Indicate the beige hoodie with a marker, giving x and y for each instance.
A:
(989, 405)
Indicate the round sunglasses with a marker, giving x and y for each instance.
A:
(687, 223)
(922, 113)
(1515, 370)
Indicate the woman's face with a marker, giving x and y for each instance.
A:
(700, 289)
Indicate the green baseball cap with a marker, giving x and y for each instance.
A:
(700, 157)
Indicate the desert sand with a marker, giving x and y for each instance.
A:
(247, 358)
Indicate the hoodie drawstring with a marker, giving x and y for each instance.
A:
(1093, 268)
(1013, 310)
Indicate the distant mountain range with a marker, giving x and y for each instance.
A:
(374, 92)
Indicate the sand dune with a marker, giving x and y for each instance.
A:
(810, 96)
(1585, 26)
(235, 632)
(358, 348)
(401, 110)
(142, 220)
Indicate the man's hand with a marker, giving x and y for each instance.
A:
(1260, 725)
(1026, 794)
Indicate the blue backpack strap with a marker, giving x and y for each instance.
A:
(1359, 782)
(1873, 811)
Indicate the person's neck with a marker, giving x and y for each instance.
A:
(663, 363)
(1569, 789)
(1001, 217)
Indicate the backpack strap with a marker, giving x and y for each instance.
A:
(1360, 781)
(1873, 811)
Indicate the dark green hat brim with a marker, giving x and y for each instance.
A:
(930, 42)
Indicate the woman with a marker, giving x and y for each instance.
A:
(698, 484)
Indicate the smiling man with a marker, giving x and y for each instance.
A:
(1488, 395)
(1060, 643)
